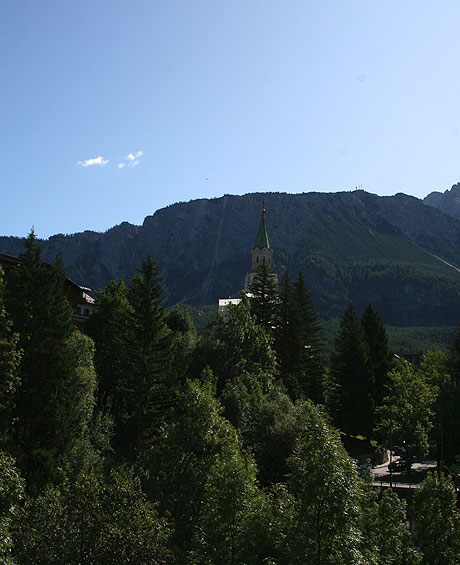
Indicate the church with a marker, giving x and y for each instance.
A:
(262, 253)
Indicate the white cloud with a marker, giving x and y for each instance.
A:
(121, 165)
(94, 161)
(134, 156)
(134, 163)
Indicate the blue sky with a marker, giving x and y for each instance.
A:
(112, 109)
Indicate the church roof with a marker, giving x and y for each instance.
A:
(262, 236)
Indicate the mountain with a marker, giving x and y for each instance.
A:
(395, 251)
(448, 201)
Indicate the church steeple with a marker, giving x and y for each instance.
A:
(262, 253)
(262, 235)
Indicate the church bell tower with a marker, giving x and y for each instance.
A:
(261, 253)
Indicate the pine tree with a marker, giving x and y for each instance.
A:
(264, 297)
(450, 403)
(146, 387)
(379, 358)
(310, 337)
(288, 339)
(108, 327)
(351, 399)
(41, 315)
(9, 378)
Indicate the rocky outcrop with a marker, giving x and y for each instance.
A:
(448, 201)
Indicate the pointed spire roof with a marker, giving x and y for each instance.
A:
(262, 236)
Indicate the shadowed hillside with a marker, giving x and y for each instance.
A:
(351, 246)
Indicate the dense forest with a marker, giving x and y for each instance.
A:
(139, 441)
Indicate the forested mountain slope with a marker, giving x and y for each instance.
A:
(351, 246)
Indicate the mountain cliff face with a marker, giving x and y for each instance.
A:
(448, 201)
(351, 246)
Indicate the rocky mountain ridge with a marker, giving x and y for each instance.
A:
(393, 251)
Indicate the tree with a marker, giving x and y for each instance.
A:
(386, 533)
(184, 338)
(10, 355)
(325, 488)
(264, 299)
(351, 382)
(146, 388)
(437, 520)
(108, 327)
(238, 345)
(271, 431)
(41, 315)
(93, 520)
(179, 464)
(379, 358)
(11, 498)
(230, 506)
(450, 403)
(435, 369)
(311, 358)
(408, 409)
(288, 339)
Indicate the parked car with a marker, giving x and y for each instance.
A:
(398, 465)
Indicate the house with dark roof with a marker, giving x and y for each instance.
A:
(81, 303)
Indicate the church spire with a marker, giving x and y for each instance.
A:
(262, 241)
(262, 253)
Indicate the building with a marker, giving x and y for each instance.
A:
(261, 254)
(81, 303)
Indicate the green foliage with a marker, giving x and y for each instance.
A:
(264, 297)
(449, 403)
(311, 358)
(92, 521)
(271, 432)
(386, 533)
(229, 510)
(379, 359)
(11, 496)
(44, 430)
(351, 382)
(323, 481)
(408, 409)
(146, 388)
(10, 355)
(297, 341)
(108, 327)
(237, 345)
(180, 323)
(437, 520)
(179, 464)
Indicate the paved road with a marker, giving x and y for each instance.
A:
(382, 474)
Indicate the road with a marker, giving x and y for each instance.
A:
(382, 474)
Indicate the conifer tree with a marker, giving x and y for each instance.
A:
(265, 297)
(9, 378)
(41, 315)
(311, 348)
(351, 399)
(288, 340)
(450, 403)
(146, 387)
(108, 326)
(379, 358)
